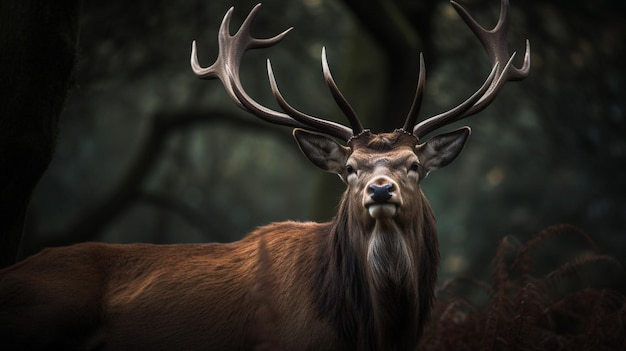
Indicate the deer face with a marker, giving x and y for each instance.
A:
(382, 171)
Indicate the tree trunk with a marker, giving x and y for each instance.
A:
(38, 42)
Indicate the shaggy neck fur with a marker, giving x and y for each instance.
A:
(377, 287)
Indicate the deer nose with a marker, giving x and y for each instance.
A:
(380, 193)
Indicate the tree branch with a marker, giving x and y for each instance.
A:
(89, 224)
(212, 228)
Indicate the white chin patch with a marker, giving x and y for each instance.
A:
(382, 210)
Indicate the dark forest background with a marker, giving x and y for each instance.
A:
(146, 152)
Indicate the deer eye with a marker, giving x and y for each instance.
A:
(350, 169)
(414, 167)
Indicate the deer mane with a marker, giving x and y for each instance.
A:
(373, 303)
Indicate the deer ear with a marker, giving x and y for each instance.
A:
(442, 149)
(323, 151)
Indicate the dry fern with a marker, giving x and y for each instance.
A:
(527, 311)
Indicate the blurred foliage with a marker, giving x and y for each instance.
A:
(148, 152)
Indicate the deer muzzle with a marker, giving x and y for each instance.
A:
(381, 198)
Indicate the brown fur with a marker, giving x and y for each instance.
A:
(383, 316)
(352, 283)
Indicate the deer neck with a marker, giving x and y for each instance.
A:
(379, 277)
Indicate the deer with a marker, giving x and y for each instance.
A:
(364, 280)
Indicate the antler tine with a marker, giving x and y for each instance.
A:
(456, 113)
(257, 43)
(494, 40)
(495, 43)
(328, 127)
(348, 111)
(226, 69)
(417, 100)
(231, 49)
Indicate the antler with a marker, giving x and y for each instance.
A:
(357, 127)
(226, 69)
(232, 48)
(503, 70)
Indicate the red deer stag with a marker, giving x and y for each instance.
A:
(363, 281)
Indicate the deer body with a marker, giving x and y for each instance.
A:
(342, 285)
(158, 297)
(363, 281)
